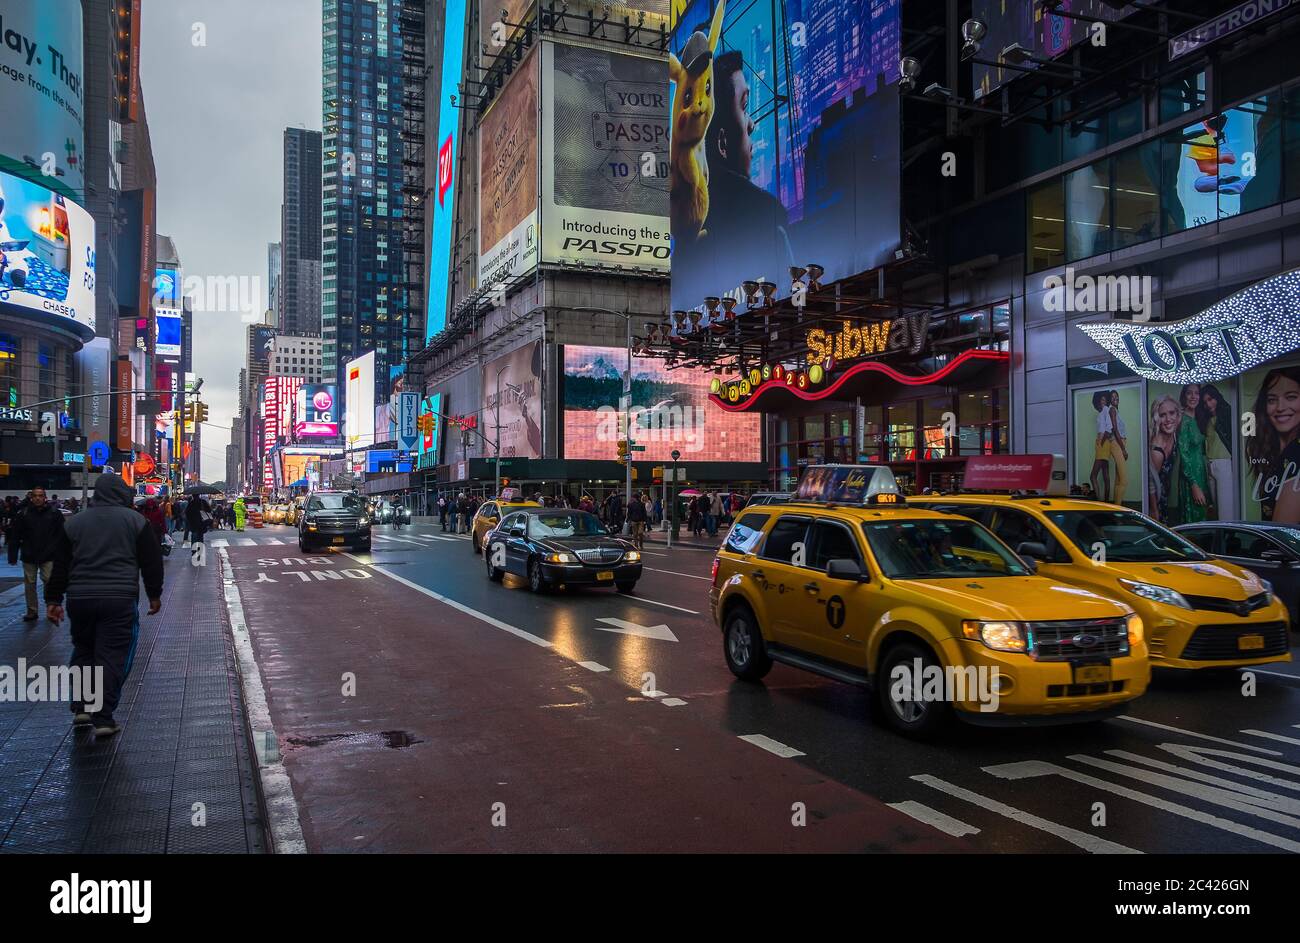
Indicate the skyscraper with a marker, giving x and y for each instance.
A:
(373, 93)
(298, 302)
(274, 266)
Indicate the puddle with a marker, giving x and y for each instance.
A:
(392, 739)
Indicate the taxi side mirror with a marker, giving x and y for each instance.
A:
(517, 532)
(847, 570)
(1033, 550)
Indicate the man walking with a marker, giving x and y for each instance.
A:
(442, 511)
(636, 518)
(34, 535)
(101, 555)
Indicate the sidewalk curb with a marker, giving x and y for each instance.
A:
(275, 791)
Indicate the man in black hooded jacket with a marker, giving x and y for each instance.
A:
(98, 562)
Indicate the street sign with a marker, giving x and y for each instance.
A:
(408, 433)
(99, 453)
(638, 448)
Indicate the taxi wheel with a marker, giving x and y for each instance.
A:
(920, 719)
(493, 573)
(742, 644)
(473, 541)
(536, 581)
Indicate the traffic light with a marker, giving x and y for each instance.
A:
(201, 412)
(622, 450)
(428, 423)
(433, 423)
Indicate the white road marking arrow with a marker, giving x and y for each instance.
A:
(661, 632)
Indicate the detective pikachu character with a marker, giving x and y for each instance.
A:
(692, 111)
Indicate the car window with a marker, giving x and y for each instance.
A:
(1016, 527)
(1245, 543)
(939, 549)
(782, 539)
(1205, 538)
(334, 502)
(514, 520)
(746, 533)
(563, 524)
(832, 541)
(1124, 536)
(1287, 535)
(489, 510)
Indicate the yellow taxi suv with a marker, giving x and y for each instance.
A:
(1199, 612)
(850, 580)
(490, 512)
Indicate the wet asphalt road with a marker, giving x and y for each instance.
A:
(1197, 765)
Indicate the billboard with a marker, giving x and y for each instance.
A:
(455, 20)
(360, 420)
(166, 288)
(785, 143)
(429, 442)
(42, 96)
(94, 364)
(518, 377)
(169, 331)
(47, 254)
(263, 341)
(497, 23)
(604, 158)
(670, 410)
(507, 209)
(317, 416)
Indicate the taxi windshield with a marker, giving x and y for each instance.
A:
(939, 549)
(1124, 536)
(566, 524)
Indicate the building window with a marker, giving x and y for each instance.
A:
(1046, 225)
(1185, 93)
(1135, 195)
(45, 373)
(1087, 195)
(1291, 132)
(10, 383)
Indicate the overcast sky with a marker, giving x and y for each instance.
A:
(217, 114)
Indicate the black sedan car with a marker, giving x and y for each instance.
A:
(1270, 550)
(334, 519)
(560, 547)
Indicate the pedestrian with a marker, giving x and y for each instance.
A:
(694, 517)
(715, 513)
(464, 509)
(636, 519)
(98, 562)
(152, 512)
(659, 510)
(198, 518)
(178, 514)
(241, 513)
(442, 511)
(34, 535)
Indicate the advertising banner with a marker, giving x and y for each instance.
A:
(1191, 430)
(507, 213)
(169, 329)
(123, 439)
(455, 20)
(94, 364)
(42, 97)
(166, 288)
(360, 425)
(317, 415)
(604, 158)
(518, 377)
(427, 446)
(775, 167)
(1270, 468)
(1108, 448)
(670, 410)
(263, 341)
(498, 22)
(47, 254)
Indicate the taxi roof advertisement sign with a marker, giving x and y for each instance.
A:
(1008, 473)
(845, 484)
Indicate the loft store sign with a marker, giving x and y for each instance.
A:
(1240, 332)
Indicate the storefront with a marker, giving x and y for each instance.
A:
(920, 394)
(1196, 419)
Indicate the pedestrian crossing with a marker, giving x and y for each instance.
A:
(260, 540)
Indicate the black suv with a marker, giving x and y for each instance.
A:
(334, 519)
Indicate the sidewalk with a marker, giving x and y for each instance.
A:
(182, 739)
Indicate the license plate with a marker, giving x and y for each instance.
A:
(605, 575)
(1248, 643)
(337, 540)
(1091, 674)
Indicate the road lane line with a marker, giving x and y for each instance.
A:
(1271, 674)
(468, 610)
(691, 576)
(657, 603)
(672, 702)
(934, 818)
(593, 666)
(1089, 843)
(772, 746)
(1193, 733)
(277, 791)
(1273, 736)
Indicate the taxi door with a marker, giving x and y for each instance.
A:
(777, 577)
(835, 615)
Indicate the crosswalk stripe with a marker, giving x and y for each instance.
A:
(247, 542)
(219, 543)
(273, 542)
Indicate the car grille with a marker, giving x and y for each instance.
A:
(600, 555)
(1061, 641)
(336, 525)
(1241, 607)
(1219, 642)
(1086, 690)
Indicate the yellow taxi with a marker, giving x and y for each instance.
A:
(848, 579)
(490, 512)
(1199, 612)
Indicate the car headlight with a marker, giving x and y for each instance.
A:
(999, 636)
(1170, 597)
(311, 526)
(561, 558)
(363, 522)
(1135, 628)
(632, 556)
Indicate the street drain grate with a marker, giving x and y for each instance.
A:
(393, 739)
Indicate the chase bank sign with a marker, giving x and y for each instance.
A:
(1241, 331)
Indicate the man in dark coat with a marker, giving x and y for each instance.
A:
(34, 535)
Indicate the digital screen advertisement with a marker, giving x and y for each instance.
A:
(169, 329)
(512, 399)
(447, 142)
(604, 158)
(317, 414)
(42, 98)
(670, 410)
(1221, 163)
(263, 341)
(799, 131)
(47, 253)
(360, 417)
(507, 212)
(431, 405)
(166, 288)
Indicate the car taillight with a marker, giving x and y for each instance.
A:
(714, 574)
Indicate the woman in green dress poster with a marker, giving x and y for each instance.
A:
(1191, 469)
